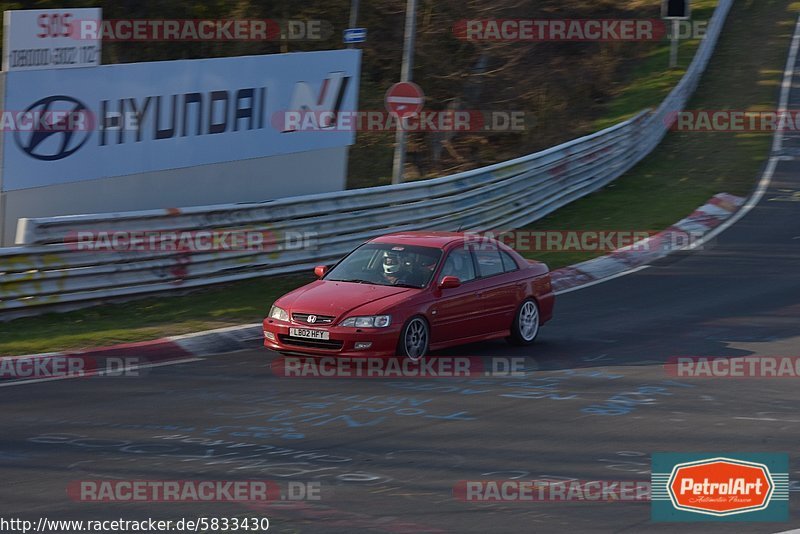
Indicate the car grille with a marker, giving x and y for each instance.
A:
(320, 319)
(329, 344)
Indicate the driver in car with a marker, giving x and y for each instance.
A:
(399, 269)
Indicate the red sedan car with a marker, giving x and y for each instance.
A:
(407, 293)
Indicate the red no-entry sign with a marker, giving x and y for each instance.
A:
(404, 98)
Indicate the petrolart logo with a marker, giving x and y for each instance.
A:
(720, 487)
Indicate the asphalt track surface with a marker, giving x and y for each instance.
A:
(388, 453)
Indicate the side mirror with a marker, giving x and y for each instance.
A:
(320, 270)
(449, 282)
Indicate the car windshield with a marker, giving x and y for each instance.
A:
(388, 265)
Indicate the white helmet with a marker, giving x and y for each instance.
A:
(392, 262)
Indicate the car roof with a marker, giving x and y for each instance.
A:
(421, 239)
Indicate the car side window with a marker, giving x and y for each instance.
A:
(489, 262)
(361, 261)
(459, 264)
(508, 262)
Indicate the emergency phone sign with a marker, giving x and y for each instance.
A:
(35, 39)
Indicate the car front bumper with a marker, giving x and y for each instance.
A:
(342, 342)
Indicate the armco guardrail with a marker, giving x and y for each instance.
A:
(47, 271)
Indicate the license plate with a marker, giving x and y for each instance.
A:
(309, 333)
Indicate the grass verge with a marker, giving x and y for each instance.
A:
(151, 318)
(650, 80)
(686, 170)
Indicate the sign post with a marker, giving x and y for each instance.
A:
(676, 11)
(353, 21)
(405, 76)
(403, 99)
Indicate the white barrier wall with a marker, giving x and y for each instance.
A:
(249, 180)
(174, 133)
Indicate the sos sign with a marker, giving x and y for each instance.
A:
(36, 39)
(55, 25)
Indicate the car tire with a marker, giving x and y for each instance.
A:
(414, 339)
(525, 328)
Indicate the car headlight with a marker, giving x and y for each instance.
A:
(371, 321)
(278, 313)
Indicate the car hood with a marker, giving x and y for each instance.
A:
(324, 297)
